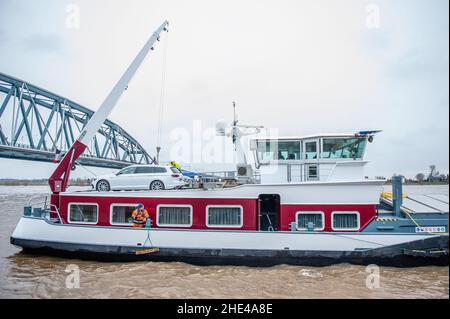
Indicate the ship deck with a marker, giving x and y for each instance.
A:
(424, 204)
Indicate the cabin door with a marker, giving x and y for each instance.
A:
(269, 210)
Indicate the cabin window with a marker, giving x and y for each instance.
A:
(313, 172)
(311, 150)
(304, 218)
(174, 215)
(121, 214)
(345, 221)
(83, 213)
(224, 216)
(275, 150)
(343, 148)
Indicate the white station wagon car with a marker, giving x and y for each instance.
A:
(141, 177)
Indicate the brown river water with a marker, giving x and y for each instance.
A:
(28, 276)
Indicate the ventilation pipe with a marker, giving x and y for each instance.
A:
(397, 194)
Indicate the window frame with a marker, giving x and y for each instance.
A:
(275, 158)
(317, 177)
(362, 141)
(316, 141)
(311, 213)
(358, 219)
(82, 222)
(241, 224)
(299, 150)
(175, 225)
(111, 214)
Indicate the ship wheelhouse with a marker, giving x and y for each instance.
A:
(325, 157)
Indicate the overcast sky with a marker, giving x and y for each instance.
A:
(300, 66)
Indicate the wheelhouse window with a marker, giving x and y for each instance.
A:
(224, 216)
(276, 150)
(121, 214)
(345, 220)
(311, 150)
(83, 213)
(343, 148)
(305, 218)
(174, 215)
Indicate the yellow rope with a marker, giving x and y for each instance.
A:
(414, 221)
(409, 215)
(389, 195)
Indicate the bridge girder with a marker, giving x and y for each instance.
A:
(35, 122)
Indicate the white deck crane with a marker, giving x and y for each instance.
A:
(60, 177)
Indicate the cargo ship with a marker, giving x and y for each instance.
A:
(309, 205)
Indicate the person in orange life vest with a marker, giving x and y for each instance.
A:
(139, 216)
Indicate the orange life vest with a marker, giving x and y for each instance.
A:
(139, 217)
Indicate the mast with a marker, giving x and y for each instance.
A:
(237, 132)
(60, 177)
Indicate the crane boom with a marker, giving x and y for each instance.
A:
(60, 177)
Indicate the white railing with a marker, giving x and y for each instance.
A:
(43, 203)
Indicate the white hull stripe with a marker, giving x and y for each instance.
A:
(40, 230)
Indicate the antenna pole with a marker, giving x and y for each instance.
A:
(158, 149)
(235, 121)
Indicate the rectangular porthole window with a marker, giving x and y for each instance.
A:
(224, 216)
(174, 215)
(345, 220)
(313, 172)
(304, 218)
(121, 214)
(81, 213)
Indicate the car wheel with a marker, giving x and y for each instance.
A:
(103, 186)
(156, 186)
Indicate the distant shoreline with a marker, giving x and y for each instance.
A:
(39, 182)
(421, 183)
(83, 182)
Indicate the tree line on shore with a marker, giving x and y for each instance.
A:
(39, 181)
(433, 177)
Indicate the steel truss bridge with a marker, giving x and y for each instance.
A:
(35, 123)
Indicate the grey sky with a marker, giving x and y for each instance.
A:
(302, 66)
